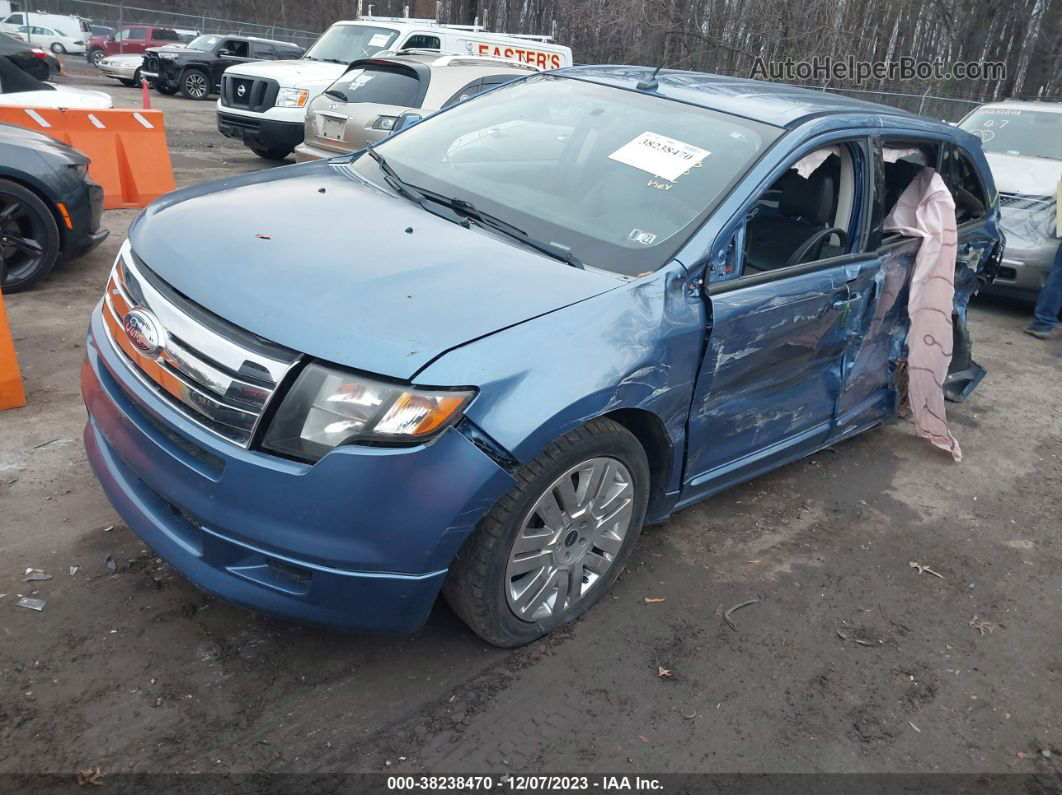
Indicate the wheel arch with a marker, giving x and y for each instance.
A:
(651, 434)
(24, 180)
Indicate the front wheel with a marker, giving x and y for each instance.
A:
(29, 238)
(195, 85)
(553, 546)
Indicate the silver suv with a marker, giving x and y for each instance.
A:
(364, 104)
(1023, 145)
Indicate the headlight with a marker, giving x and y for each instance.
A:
(292, 97)
(326, 408)
(384, 123)
(81, 169)
(167, 56)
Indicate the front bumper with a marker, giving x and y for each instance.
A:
(261, 133)
(86, 217)
(360, 540)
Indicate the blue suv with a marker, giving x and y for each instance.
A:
(477, 358)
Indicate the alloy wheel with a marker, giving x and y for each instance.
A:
(195, 85)
(570, 539)
(22, 240)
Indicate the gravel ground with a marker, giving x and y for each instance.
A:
(852, 660)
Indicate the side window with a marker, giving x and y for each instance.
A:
(961, 177)
(264, 52)
(422, 41)
(122, 35)
(464, 93)
(478, 87)
(236, 48)
(137, 34)
(164, 34)
(902, 162)
(809, 213)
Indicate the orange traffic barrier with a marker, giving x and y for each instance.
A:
(127, 148)
(12, 395)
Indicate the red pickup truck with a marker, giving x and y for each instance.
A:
(129, 39)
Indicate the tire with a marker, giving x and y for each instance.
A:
(95, 56)
(166, 89)
(58, 48)
(487, 585)
(268, 153)
(195, 84)
(30, 237)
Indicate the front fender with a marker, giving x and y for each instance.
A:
(635, 347)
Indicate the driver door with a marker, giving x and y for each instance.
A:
(782, 314)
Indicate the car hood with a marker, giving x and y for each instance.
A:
(314, 259)
(1033, 176)
(296, 73)
(61, 97)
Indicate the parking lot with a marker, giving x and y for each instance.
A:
(854, 659)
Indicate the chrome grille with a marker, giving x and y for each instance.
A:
(216, 374)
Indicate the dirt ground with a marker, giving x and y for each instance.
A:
(851, 661)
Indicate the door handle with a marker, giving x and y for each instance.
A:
(842, 303)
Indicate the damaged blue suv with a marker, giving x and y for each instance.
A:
(479, 357)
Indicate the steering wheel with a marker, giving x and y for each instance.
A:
(815, 243)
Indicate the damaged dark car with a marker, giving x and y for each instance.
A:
(572, 305)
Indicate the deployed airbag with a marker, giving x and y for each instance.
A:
(926, 210)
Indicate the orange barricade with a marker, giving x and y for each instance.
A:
(12, 394)
(128, 149)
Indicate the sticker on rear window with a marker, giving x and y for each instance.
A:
(640, 236)
(379, 40)
(659, 155)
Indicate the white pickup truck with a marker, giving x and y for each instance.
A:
(264, 104)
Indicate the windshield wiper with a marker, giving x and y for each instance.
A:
(407, 191)
(465, 211)
(330, 93)
(469, 210)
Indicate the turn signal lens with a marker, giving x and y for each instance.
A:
(418, 415)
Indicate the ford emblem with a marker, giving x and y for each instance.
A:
(143, 331)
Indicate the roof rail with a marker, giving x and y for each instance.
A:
(430, 22)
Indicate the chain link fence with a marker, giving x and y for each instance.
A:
(116, 15)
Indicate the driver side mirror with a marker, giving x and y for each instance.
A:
(405, 121)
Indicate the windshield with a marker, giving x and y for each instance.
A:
(618, 178)
(346, 43)
(1017, 131)
(204, 43)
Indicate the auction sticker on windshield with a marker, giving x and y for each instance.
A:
(659, 155)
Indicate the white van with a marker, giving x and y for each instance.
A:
(264, 104)
(69, 26)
